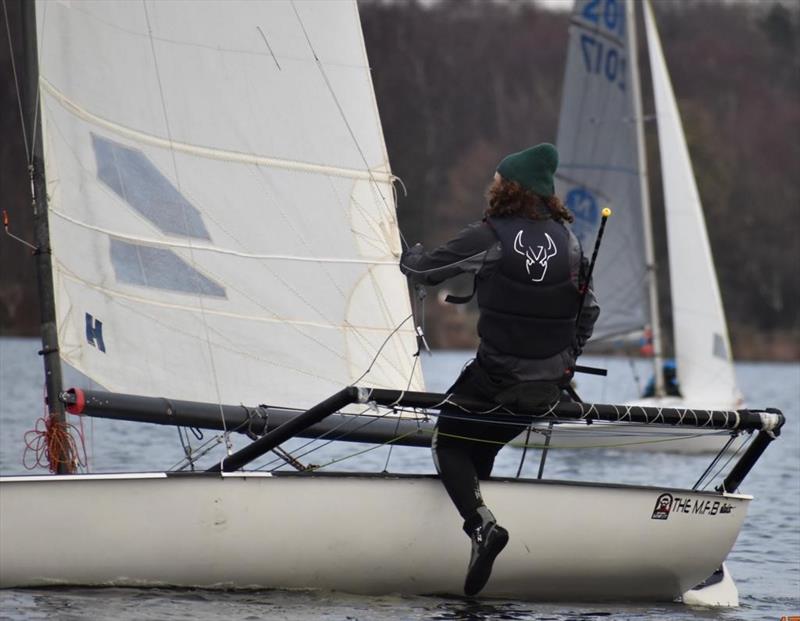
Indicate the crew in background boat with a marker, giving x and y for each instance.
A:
(529, 270)
(671, 387)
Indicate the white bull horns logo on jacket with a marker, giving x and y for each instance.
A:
(535, 260)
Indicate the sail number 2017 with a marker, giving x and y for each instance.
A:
(603, 58)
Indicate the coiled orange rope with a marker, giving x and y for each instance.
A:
(52, 444)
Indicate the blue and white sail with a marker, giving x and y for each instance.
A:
(222, 213)
(600, 143)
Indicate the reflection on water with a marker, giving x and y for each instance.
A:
(278, 605)
(476, 610)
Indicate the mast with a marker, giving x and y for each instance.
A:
(41, 229)
(647, 222)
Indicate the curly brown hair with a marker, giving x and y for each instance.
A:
(509, 198)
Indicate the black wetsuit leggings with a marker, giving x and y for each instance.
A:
(464, 448)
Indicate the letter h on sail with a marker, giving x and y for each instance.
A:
(94, 333)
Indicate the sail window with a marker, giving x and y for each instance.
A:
(132, 176)
(159, 268)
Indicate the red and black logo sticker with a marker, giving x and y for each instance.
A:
(667, 503)
(663, 506)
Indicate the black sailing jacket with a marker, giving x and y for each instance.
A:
(529, 303)
(527, 289)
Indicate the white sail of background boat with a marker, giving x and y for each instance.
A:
(223, 233)
(702, 347)
(602, 147)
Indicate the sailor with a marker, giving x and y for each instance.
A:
(671, 386)
(528, 269)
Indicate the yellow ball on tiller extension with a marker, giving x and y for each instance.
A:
(606, 212)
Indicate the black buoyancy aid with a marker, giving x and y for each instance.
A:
(529, 305)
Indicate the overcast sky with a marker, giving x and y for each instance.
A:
(557, 5)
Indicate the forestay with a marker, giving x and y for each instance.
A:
(222, 214)
(600, 144)
(702, 347)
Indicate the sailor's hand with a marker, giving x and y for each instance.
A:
(409, 257)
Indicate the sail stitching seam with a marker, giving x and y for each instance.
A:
(208, 152)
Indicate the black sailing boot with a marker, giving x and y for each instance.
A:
(488, 540)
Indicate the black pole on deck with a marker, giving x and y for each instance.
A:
(587, 412)
(288, 430)
(754, 451)
(251, 421)
(41, 231)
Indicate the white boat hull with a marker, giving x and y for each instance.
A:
(367, 534)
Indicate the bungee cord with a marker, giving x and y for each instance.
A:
(186, 443)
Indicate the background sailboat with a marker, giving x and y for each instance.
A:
(702, 346)
(601, 141)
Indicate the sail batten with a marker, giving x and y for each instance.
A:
(168, 243)
(378, 174)
(255, 318)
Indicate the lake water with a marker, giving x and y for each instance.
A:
(765, 561)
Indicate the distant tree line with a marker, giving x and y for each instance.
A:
(461, 83)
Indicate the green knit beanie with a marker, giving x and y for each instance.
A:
(532, 168)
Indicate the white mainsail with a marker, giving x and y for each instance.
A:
(599, 138)
(702, 348)
(222, 212)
